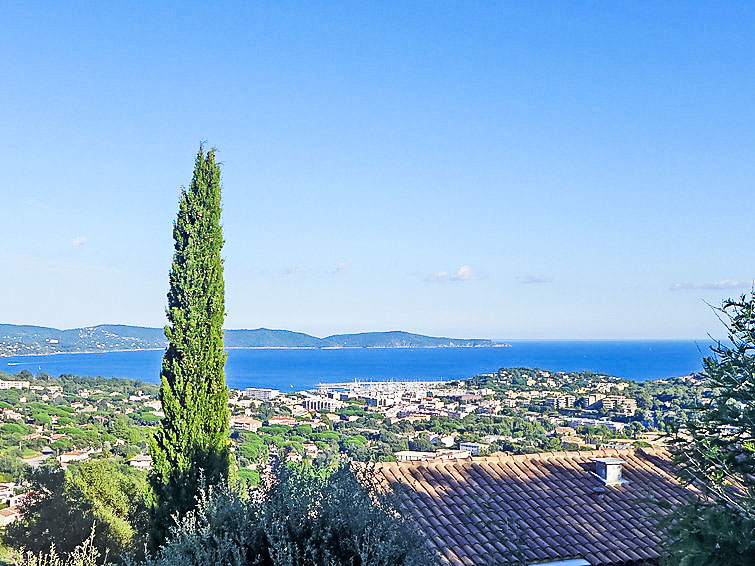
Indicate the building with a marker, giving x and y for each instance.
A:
(261, 393)
(590, 508)
(593, 399)
(73, 456)
(561, 402)
(8, 515)
(440, 455)
(474, 448)
(412, 456)
(141, 462)
(625, 405)
(322, 404)
(14, 384)
(287, 421)
(243, 422)
(382, 400)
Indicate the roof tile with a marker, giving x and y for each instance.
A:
(549, 505)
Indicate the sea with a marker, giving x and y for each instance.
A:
(301, 369)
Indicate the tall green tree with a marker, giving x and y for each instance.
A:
(191, 445)
(718, 454)
(62, 506)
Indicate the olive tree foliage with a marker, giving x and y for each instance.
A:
(718, 454)
(302, 516)
(85, 554)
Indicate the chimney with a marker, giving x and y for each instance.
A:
(609, 470)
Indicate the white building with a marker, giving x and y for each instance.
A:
(261, 393)
(245, 423)
(141, 462)
(474, 448)
(322, 404)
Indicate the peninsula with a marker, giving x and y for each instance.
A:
(16, 340)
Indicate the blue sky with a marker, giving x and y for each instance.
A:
(499, 169)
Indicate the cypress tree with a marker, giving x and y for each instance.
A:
(191, 445)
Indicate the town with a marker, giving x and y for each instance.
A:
(66, 420)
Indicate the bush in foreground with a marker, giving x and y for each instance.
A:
(86, 554)
(305, 516)
(718, 456)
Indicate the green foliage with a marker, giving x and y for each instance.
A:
(115, 495)
(192, 440)
(85, 554)
(252, 450)
(422, 444)
(307, 516)
(705, 534)
(62, 507)
(249, 477)
(719, 456)
(14, 428)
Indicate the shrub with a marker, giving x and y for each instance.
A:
(303, 516)
(86, 554)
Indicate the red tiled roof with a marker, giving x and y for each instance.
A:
(537, 506)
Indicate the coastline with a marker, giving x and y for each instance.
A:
(303, 367)
(6, 355)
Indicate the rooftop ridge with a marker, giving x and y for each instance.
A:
(537, 456)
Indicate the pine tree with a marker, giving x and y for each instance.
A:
(191, 446)
(717, 455)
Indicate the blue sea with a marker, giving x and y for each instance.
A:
(304, 369)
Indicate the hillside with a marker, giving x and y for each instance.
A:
(20, 339)
(397, 339)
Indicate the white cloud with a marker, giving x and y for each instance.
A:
(464, 273)
(79, 241)
(292, 270)
(438, 276)
(537, 278)
(343, 266)
(722, 284)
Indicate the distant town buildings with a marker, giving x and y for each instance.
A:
(474, 448)
(141, 462)
(261, 393)
(318, 403)
(623, 405)
(243, 422)
(418, 456)
(8, 384)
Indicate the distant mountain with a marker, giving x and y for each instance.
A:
(18, 339)
(266, 338)
(398, 339)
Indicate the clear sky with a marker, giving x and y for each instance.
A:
(472, 169)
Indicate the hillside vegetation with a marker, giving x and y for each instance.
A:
(20, 339)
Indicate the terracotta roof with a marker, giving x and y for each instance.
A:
(537, 507)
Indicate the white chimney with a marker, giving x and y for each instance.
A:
(609, 470)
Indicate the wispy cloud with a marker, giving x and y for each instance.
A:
(712, 285)
(79, 241)
(464, 273)
(292, 270)
(438, 276)
(342, 266)
(537, 278)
